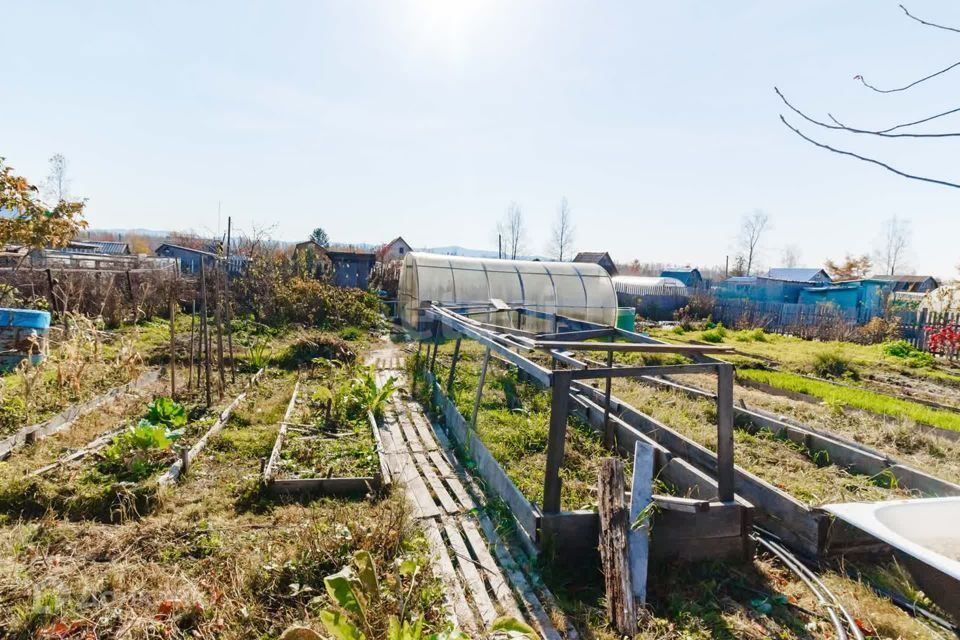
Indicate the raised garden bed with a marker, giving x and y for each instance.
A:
(314, 453)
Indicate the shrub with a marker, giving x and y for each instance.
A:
(834, 365)
(678, 329)
(877, 330)
(911, 356)
(714, 335)
(351, 334)
(317, 303)
(305, 351)
(751, 335)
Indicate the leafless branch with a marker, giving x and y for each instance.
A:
(865, 159)
(839, 126)
(905, 124)
(929, 24)
(905, 87)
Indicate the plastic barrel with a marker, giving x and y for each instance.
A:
(23, 334)
(626, 318)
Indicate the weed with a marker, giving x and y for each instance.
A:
(834, 365)
(715, 334)
(351, 334)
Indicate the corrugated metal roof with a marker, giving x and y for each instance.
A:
(800, 274)
(97, 246)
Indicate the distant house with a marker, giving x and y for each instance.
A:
(799, 274)
(767, 289)
(690, 277)
(910, 284)
(97, 246)
(396, 249)
(846, 296)
(603, 259)
(351, 266)
(189, 258)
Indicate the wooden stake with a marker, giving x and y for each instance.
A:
(204, 327)
(641, 494)
(173, 349)
(193, 319)
(483, 377)
(453, 364)
(218, 315)
(614, 548)
(229, 308)
(607, 425)
(725, 472)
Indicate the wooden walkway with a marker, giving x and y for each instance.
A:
(482, 579)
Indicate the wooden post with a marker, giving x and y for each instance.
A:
(193, 320)
(559, 405)
(453, 364)
(218, 317)
(53, 298)
(184, 461)
(641, 495)
(614, 548)
(607, 426)
(416, 369)
(436, 344)
(229, 307)
(204, 327)
(173, 349)
(483, 378)
(725, 489)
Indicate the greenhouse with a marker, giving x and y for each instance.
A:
(576, 290)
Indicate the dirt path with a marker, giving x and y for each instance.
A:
(482, 579)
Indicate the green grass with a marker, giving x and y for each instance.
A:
(859, 398)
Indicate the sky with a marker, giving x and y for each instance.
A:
(426, 118)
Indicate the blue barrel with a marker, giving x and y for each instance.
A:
(23, 334)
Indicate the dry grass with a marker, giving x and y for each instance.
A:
(214, 560)
(784, 464)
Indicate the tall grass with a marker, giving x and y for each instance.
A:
(859, 398)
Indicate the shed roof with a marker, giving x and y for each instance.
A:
(904, 278)
(349, 251)
(797, 274)
(592, 256)
(98, 246)
(182, 248)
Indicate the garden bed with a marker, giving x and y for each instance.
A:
(116, 476)
(328, 441)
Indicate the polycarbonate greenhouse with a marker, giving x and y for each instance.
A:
(583, 291)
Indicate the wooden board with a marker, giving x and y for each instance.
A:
(448, 576)
(501, 591)
(327, 486)
(439, 491)
(470, 574)
(65, 419)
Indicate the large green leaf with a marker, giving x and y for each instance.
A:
(511, 628)
(340, 627)
(340, 586)
(165, 411)
(367, 573)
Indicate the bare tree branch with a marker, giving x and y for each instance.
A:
(905, 124)
(839, 126)
(929, 24)
(905, 87)
(865, 159)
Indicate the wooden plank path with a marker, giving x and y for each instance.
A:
(481, 578)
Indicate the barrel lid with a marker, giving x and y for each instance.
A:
(30, 318)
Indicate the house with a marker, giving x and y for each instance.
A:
(766, 289)
(846, 296)
(97, 246)
(603, 259)
(351, 266)
(189, 258)
(910, 284)
(799, 274)
(690, 277)
(396, 249)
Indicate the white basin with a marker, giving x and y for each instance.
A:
(925, 532)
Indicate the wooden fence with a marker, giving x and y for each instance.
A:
(916, 326)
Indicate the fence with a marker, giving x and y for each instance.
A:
(916, 326)
(657, 302)
(803, 320)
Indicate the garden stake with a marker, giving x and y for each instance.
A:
(173, 351)
(205, 328)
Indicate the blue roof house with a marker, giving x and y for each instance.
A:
(690, 277)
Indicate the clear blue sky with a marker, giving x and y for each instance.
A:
(657, 121)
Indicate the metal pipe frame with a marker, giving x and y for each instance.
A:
(570, 335)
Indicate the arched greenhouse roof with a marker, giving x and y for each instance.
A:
(574, 289)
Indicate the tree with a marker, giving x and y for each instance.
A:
(24, 220)
(850, 268)
(57, 185)
(790, 257)
(512, 228)
(892, 245)
(900, 130)
(320, 237)
(739, 267)
(752, 227)
(561, 240)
